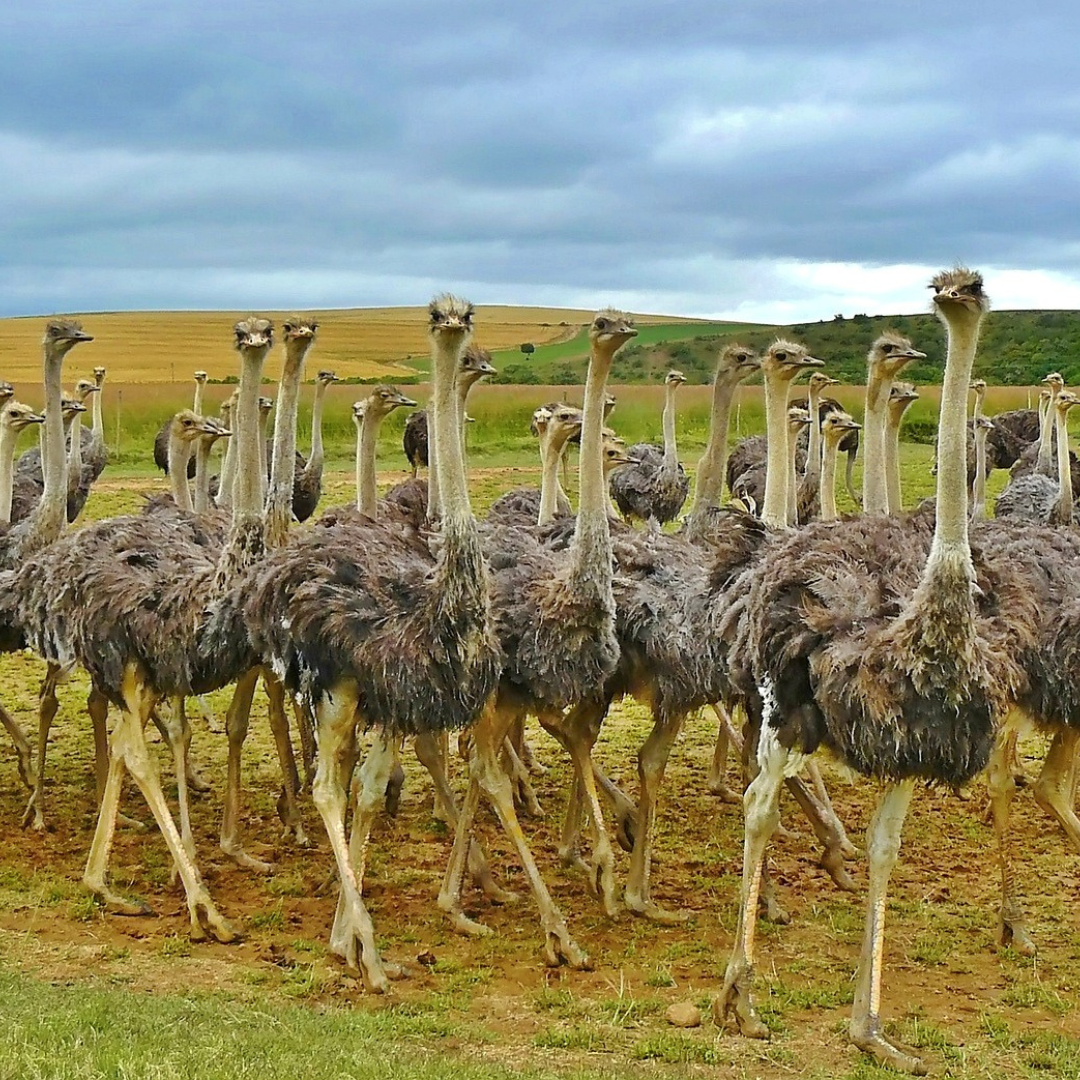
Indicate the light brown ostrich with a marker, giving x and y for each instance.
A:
(797, 422)
(808, 489)
(95, 452)
(889, 657)
(901, 397)
(888, 357)
(373, 410)
(982, 426)
(654, 487)
(161, 440)
(308, 487)
(736, 363)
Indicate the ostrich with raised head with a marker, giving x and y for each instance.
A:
(161, 440)
(307, 485)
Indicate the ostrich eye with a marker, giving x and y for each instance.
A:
(781, 356)
(601, 324)
(886, 349)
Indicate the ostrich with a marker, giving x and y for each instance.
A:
(798, 420)
(29, 480)
(888, 356)
(368, 416)
(835, 428)
(654, 489)
(161, 440)
(901, 397)
(736, 363)
(870, 639)
(307, 488)
(807, 491)
(130, 586)
(555, 617)
(96, 451)
(982, 427)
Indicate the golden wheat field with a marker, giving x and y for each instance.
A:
(365, 343)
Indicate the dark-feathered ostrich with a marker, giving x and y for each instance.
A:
(555, 618)
(307, 488)
(855, 640)
(370, 628)
(475, 364)
(161, 440)
(654, 489)
(130, 587)
(807, 491)
(29, 480)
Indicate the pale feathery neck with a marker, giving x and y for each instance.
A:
(75, 458)
(196, 405)
(250, 448)
(551, 449)
(452, 490)
(978, 488)
(893, 488)
(366, 489)
(774, 511)
(50, 514)
(202, 474)
(950, 551)
(827, 480)
(462, 384)
(977, 413)
(591, 547)
(227, 480)
(793, 476)
(180, 451)
(671, 450)
(279, 512)
(358, 423)
(813, 446)
(1064, 512)
(315, 458)
(875, 486)
(97, 428)
(264, 459)
(709, 481)
(1046, 435)
(8, 438)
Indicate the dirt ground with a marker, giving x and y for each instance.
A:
(972, 1006)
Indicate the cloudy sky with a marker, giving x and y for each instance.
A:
(769, 160)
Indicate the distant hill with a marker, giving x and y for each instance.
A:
(537, 345)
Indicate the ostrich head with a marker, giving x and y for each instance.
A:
(450, 320)
(359, 409)
(1065, 401)
(70, 408)
(1055, 382)
(299, 328)
(901, 395)
(891, 353)
(610, 330)
(614, 452)
(7, 392)
(187, 426)
(787, 360)
(476, 362)
(1044, 396)
(836, 425)
(563, 423)
(540, 418)
(979, 386)
(609, 404)
(254, 332)
(266, 406)
(983, 426)
(797, 419)
(228, 405)
(84, 388)
(62, 335)
(737, 362)
(201, 377)
(327, 377)
(819, 380)
(383, 400)
(959, 297)
(99, 377)
(16, 415)
(674, 378)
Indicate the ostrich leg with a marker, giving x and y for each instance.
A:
(1054, 790)
(1001, 782)
(487, 775)
(47, 707)
(726, 736)
(288, 808)
(882, 846)
(354, 932)
(23, 749)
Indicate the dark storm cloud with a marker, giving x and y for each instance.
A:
(688, 156)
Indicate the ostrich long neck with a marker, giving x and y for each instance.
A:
(283, 469)
(551, 449)
(793, 476)
(463, 383)
(202, 474)
(179, 456)
(591, 548)
(813, 447)
(827, 494)
(50, 514)
(709, 486)
(366, 489)
(75, 458)
(875, 487)
(315, 458)
(894, 491)
(671, 450)
(1046, 434)
(98, 428)
(774, 511)
(1063, 513)
(8, 436)
(228, 465)
(949, 565)
(978, 493)
(196, 405)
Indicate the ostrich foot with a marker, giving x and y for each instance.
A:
(723, 791)
(526, 803)
(734, 1006)
(626, 828)
(1014, 933)
(291, 829)
(601, 880)
(771, 909)
(560, 948)
(207, 922)
(196, 780)
(126, 822)
(115, 904)
(239, 856)
(32, 815)
(462, 923)
(832, 862)
(869, 1039)
(352, 938)
(649, 909)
